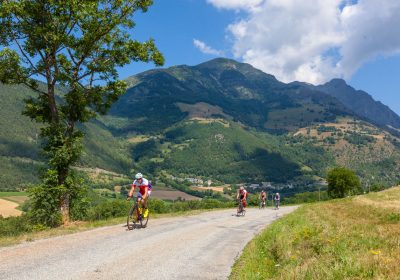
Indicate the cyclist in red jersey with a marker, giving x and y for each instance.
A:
(242, 195)
(145, 189)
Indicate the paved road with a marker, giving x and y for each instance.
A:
(203, 246)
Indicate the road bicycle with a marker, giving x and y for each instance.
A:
(240, 209)
(135, 216)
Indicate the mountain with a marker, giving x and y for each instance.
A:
(159, 98)
(219, 120)
(361, 103)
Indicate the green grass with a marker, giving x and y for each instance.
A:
(3, 194)
(354, 238)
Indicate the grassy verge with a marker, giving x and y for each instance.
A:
(353, 238)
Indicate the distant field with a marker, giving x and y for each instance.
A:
(2, 194)
(352, 238)
(216, 189)
(8, 208)
(172, 195)
(9, 201)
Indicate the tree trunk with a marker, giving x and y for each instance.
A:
(65, 208)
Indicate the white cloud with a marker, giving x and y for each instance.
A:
(206, 49)
(236, 4)
(313, 41)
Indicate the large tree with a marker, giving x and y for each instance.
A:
(342, 182)
(76, 46)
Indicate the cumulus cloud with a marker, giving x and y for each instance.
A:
(313, 41)
(206, 49)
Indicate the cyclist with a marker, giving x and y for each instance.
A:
(242, 195)
(263, 197)
(145, 189)
(277, 199)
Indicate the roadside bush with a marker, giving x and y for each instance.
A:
(158, 206)
(108, 209)
(12, 226)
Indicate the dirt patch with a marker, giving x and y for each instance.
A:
(7, 208)
(172, 195)
(215, 189)
(138, 139)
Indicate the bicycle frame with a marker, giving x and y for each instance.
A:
(135, 215)
(240, 209)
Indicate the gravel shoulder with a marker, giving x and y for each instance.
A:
(203, 246)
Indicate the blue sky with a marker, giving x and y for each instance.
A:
(312, 41)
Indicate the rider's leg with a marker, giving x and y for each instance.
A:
(146, 210)
(140, 204)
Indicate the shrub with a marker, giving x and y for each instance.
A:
(342, 182)
(12, 226)
(108, 209)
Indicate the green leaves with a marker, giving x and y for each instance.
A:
(10, 70)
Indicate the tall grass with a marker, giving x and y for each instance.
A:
(353, 238)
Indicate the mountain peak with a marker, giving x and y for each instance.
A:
(337, 82)
(219, 62)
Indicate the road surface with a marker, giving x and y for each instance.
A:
(202, 246)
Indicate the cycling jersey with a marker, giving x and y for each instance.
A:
(243, 194)
(142, 186)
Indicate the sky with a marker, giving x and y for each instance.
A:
(308, 41)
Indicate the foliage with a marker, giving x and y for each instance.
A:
(342, 182)
(359, 139)
(13, 226)
(44, 203)
(76, 45)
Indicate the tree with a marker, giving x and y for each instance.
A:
(342, 182)
(74, 46)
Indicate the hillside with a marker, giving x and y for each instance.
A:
(361, 103)
(226, 152)
(20, 143)
(222, 121)
(370, 151)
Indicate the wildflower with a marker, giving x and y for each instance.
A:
(375, 252)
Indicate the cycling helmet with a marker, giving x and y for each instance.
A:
(139, 176)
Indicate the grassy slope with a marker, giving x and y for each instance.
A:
(353, 238)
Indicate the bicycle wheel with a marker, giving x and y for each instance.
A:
(132, 217)
(239, 209)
